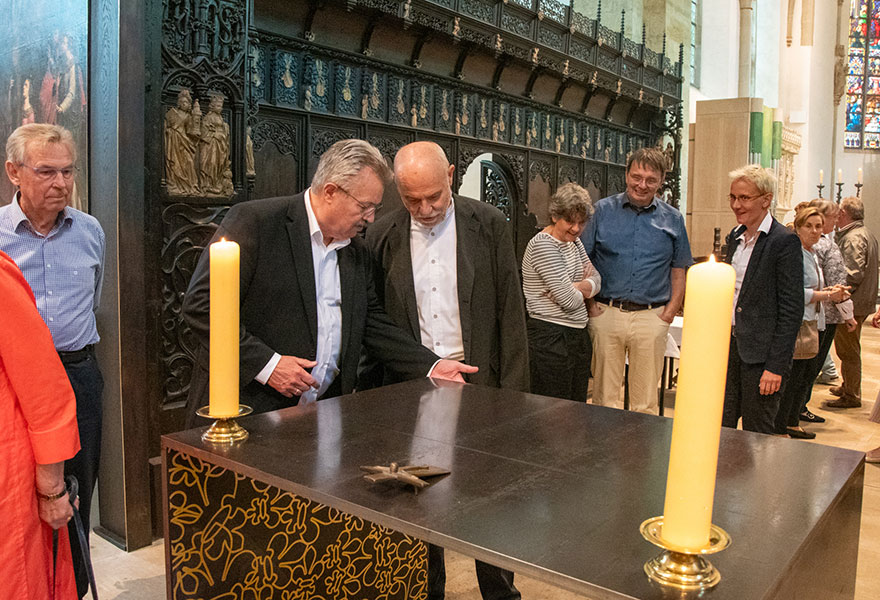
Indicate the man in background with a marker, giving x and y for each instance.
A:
(60, 251)
(446, 271)
(639, 245)
(859, 248)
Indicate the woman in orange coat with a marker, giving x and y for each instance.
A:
(38, 433)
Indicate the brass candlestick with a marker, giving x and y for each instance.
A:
(679, 567)
(225, 430)
(839, 185)
(859, 190)
(820, 187)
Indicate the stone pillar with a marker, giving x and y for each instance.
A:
(746, 87)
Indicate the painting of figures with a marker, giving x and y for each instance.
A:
(44, 76)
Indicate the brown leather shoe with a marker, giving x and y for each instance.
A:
(837, 390)
(873, 456)
(844, 402)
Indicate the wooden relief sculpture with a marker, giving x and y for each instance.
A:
(215, 173)
(182, 124)
(197, 148)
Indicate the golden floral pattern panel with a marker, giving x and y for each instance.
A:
(231, 537)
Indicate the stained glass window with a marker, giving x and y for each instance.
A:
(863, 76)
(696, 35)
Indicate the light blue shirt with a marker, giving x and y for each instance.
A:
(634, 248)
(64, 268)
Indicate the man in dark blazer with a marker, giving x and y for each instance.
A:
(447, 274)
(768, 302)
(308, 304)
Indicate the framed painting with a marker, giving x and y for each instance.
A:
(44, 77)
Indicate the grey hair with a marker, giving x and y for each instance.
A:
(854, 207)
(345, 159)
(825, 206)
(761, 178)
(37, 134)
(572, 203)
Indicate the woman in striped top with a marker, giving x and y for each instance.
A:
(557, 279)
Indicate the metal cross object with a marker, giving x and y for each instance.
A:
(409, 474)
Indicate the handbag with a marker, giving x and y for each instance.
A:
(807, 343)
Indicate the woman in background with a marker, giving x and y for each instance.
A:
(808, 224)
(557, 279)
(834, 272)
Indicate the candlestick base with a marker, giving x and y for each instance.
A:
(680, 567)
(224, 430)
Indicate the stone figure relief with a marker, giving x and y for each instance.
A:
(197, 148)
(249, 169)
(215, 173)
(839, 73)
(182, 131)
(287, 77)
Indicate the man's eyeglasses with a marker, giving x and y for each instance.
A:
(48, 173)
(731, 197)
(365, 207)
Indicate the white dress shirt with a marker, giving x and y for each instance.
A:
(741, 256)
(328, 291)
(435, 277)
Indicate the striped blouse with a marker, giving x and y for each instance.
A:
(550, 268)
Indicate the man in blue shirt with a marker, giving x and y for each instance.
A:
(60, 251)
(639, 245)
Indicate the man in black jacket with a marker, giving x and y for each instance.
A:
(768, 302)
(447, 273)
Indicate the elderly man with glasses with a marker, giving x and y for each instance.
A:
(308, 302)
(60, 251)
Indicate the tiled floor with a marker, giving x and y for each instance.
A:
(140, 575)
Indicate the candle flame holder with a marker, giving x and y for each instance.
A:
(680, 567)
(859, 190)
(225, 430)
(820, 187)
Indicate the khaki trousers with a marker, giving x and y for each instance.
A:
(639, 334)
(848, 346)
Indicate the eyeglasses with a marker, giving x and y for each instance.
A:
(49, 174)
(731, 197)
(365, 207)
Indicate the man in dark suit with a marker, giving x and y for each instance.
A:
(308, 304)
(447, 273)
(768, 302)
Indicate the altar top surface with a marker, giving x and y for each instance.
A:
(549, 488)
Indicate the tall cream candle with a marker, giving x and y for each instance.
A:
(821, 176)
(225, 257)
(839, 175)
(860, 175)
(696, 430)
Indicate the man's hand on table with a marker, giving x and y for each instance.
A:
(290, 377)
(451, 370)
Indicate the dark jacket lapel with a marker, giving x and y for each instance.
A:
(400, 271)
(301, 250)
(466, 240)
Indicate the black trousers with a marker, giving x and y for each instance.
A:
(742, 396)
(495, 583)
(799, 386)
(88, 385)
(559, 360)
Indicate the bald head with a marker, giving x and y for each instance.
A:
(424, 181)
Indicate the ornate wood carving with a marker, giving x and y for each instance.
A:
(186, 230)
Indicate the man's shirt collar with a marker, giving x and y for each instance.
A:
(764, 227)
(17, 216)
(315, 228)
(625, 201)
